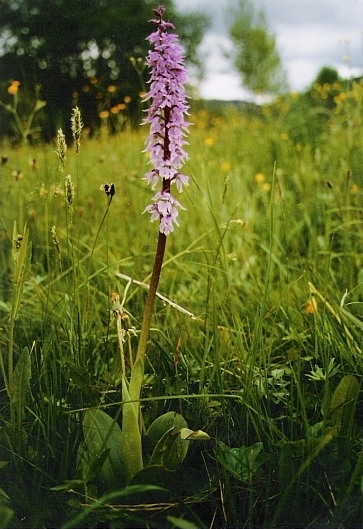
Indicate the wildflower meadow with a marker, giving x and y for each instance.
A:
(181, 311)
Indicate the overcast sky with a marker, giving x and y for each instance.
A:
(310, 34)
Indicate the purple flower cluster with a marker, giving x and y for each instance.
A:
(167, 122)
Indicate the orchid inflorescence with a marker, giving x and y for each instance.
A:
(166, 116)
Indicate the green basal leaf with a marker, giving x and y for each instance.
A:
(243, 462)
(170, 449)
(130, 449)
(163, 423)
(136, 380)
(344, 400)
(102, 437)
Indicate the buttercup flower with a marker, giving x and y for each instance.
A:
(14, 87)
(166, 116)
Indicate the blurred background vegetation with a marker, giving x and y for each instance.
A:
(88, 53)
(55, 55)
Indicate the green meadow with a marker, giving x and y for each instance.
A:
(256, 336)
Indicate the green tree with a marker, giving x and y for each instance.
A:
(327, 75)
(323, 92)
(77, 49)
(255, 52)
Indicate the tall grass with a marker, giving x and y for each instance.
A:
(266, 249)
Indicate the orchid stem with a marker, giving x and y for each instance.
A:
(150, 301)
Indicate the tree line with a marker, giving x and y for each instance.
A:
(83, 52)
(91, 53)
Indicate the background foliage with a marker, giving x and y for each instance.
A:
(79, 53)
(255, 52)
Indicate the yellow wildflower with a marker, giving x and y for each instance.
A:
(259, 177)
(311, 306)
(225, 166)
(14, 87)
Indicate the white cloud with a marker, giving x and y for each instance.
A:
(221, 81)
(301, 73)
(226, 87)
(346, 71)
